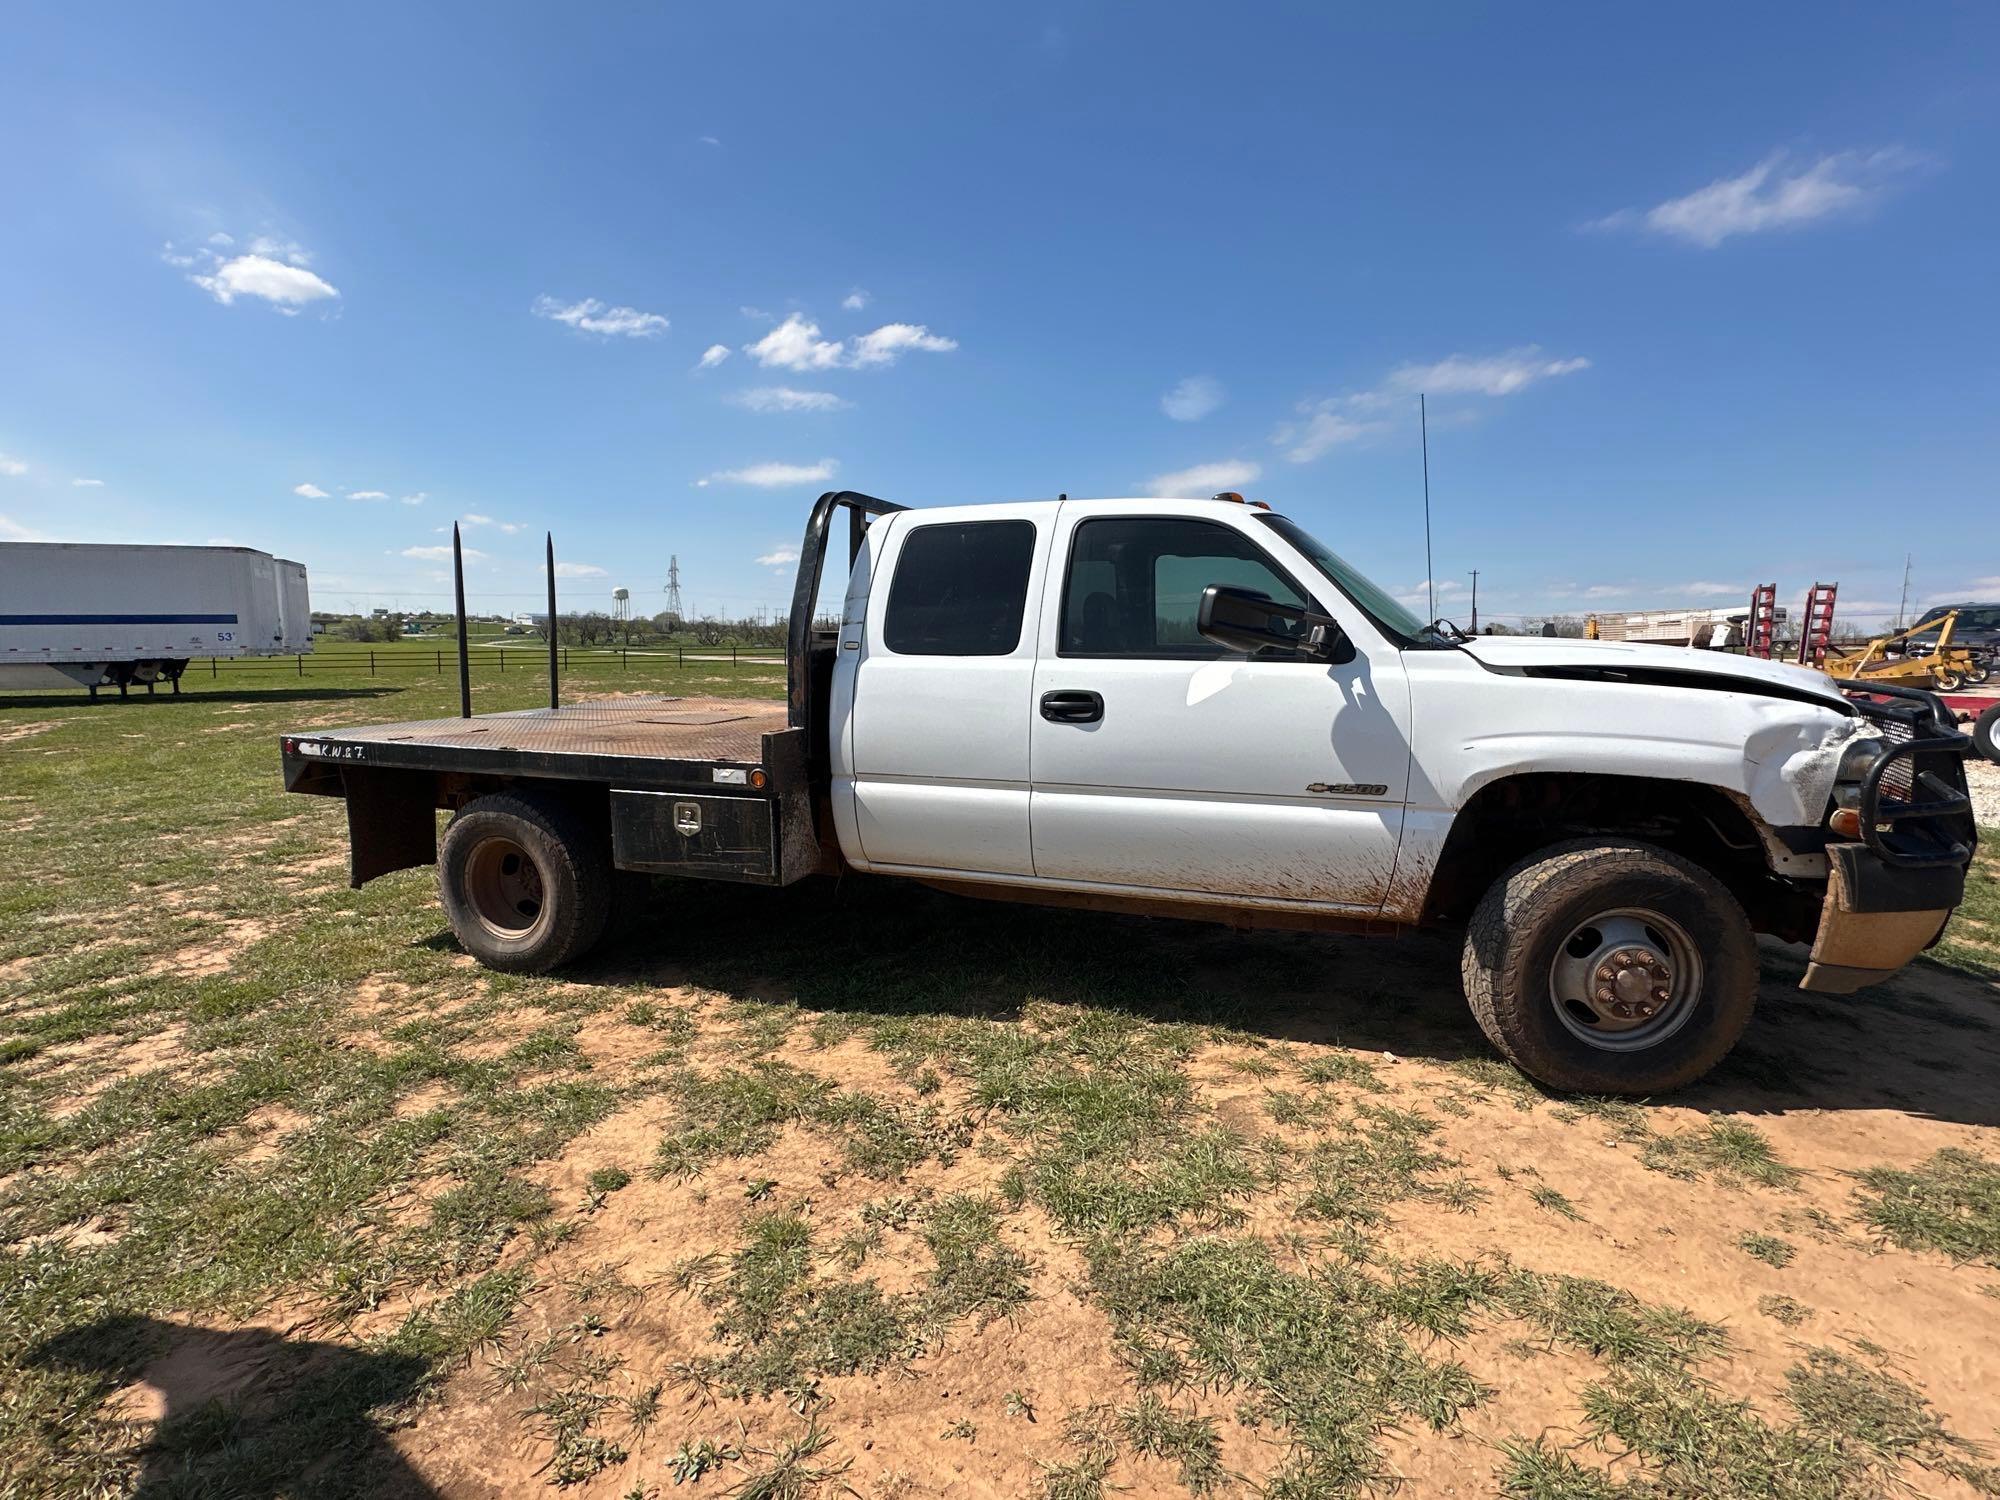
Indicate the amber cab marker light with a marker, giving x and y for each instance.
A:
(757, 779)
(1846, 821)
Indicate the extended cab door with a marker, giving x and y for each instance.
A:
(1163, 762)
(934, 676)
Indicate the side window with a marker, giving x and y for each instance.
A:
(960, 589)
(1135, 585)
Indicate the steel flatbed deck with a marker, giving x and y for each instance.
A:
(635, 741)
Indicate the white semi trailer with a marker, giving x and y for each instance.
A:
(95, 615)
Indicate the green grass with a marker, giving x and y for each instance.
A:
(1951, 1204)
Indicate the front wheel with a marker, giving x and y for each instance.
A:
(526, 883)
(1986, 734)
(1610, 968)
(1949, 679)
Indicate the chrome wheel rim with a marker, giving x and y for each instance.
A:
(503, 886)
(1625, 980)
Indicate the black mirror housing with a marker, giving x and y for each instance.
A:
(1245, 620)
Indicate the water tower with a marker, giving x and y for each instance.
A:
(621, 611)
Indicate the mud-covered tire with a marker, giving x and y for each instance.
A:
(525, 883)
(1521, 926)
(1986, 734)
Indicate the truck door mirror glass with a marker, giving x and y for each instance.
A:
(1245, 620)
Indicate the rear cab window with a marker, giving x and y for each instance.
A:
(960, 589)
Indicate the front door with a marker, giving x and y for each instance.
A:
(1162, 761)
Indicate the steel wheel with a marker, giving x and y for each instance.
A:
(1625, 980)
(504, 888)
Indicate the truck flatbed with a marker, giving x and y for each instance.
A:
(634, 741)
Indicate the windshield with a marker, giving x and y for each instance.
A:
(1390, 617)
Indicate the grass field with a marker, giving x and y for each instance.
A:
(862, 1189)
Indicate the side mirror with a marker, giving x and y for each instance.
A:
(1245, 620)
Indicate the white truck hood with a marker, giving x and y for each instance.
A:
(1722, 670)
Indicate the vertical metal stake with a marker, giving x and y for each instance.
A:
(555, 700)
(458, 603)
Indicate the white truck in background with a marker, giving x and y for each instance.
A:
(95, 615)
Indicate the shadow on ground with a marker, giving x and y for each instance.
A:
(1926, 1043)
(109, 701)
(248, 1414)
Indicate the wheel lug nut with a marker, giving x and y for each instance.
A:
(1603, 994)
(1659, 994)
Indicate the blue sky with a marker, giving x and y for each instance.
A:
(1701, 295)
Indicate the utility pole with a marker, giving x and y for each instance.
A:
(1904, 603)
(1475, 601)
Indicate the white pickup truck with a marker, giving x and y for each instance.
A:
(1193, 708)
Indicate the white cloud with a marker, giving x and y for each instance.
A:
(769, 398)
(887, 343)
(795, 344)
(1193, 399)
(443, 554)
(13, 531)
(855, 300)
(592, 316)
(712, 356)
(1334, 421)
(709, 140)
(1203, 480)
(1483, 375)
(279, 247)
(775, 476)
(87, 484)
(13, 468)
(506, 527)
(286, 285)
(783, 557)
(1328, 423)
(367, 495)
(1703, 589)
(1777, 193)
(221, 239)
(580, 570)
(309, 491)
(418, 498)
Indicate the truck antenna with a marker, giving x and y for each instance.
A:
(458, 605)
(1424, 428)
(554, 700)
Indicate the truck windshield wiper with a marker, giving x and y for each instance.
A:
(1443, 632)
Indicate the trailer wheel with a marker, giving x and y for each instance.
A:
(1986, 734)
(525, 883)
(1610, 968)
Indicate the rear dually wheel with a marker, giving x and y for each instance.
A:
(526, 883)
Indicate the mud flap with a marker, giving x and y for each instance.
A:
(1855, 948)
(391, 823)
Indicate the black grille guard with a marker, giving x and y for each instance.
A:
(1932, 823)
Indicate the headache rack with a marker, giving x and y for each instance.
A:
(1915, 810)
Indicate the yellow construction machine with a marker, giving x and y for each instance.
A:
(1944, 667)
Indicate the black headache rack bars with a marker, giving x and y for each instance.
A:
(1915, 811)
(800, 683)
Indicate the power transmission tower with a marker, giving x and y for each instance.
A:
(1903, 604)
(674, 588)
(1475, 601)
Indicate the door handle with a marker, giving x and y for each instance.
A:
(1076, 706)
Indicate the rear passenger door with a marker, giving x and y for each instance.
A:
(935, 770)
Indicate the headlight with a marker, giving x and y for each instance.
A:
(1857, 759)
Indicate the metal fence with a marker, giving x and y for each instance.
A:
(392, 661)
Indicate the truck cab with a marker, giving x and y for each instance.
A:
(1194, 708)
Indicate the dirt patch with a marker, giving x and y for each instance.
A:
(85, 1069)
(216, 954)
(28, 730)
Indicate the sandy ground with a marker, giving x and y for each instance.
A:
(1983, 776)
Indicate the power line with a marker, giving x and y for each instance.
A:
(1430, 576)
